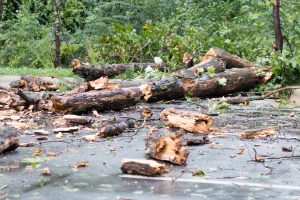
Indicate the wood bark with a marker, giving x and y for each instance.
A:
(232, 61)
(76, 119)
(193, 72)
(96, 100)
(12, 100)
(57, 30)
(143, 167)
(90, 73)
(236, 80)
(1, 10)
(277, 26)
(9, 143)
(36, 84)
(162, 89)
(187, 120)
(166, 148)
(115, 128)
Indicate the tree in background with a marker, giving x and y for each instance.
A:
(1, 10)
(277, 27)
(57, 30)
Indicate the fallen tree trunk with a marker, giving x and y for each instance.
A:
(143, 167)
(232, 61)
(115, 128)
(187, 120)
(9, 143)
(217, 63)
(162, 89)
(90, 73)
(35, 84)
(235, 80)
(166, 148)
(96, 100)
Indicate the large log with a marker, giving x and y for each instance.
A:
(217, 63)
(236, 80)
(143, 167)
(166, 148)
(232, 61)
(96, 100)
(187, 120)
(162, 89)
(90, 73)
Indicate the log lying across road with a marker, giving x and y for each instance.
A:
(90, 73)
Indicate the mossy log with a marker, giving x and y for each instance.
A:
(187, 120)
(162, 89)
(90, 73)
(96, 100)
(232, 61)
(143, 167)
(217, 63)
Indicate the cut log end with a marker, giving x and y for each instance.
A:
(143, 167)
(166, 148)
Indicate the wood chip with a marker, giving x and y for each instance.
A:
(143, 167)
(66, 130)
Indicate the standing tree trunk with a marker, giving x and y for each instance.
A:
(57, 29)
(277, 27)
(1, 10)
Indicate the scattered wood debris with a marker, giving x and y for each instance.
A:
(90, 138)
(41, 132)
(256, 134)
(143, 167)
(76, 119)
(187, 120)
(45, 171)
(80, 164)
(166, 148)
(35, 84)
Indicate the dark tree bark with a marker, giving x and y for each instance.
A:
(57, 30)
(277, 27)
(1, 10)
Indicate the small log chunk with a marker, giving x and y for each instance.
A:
(143, 167)
(257, 134)
(166, 148)
(162, 89)
(195, 140)
(232, 61)
(33, 83)
(76, 119)
(66, 130)
(236, 80)
(238, 100)
(190, 121)
(193, 72)
(90, 73)
(96, 100)
(8, 143)
(115, 128)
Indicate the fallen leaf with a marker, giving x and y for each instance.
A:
(45, 172)
(51, 154)
(37, 152)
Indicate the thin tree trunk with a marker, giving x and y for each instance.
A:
(277, 27)
(57, 31)
(1, 10)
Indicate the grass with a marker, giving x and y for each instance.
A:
(56, 72)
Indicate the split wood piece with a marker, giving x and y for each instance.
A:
(217, 63)
(195, 140)
(187, 120)
(76, 119)
(97, 100)
(143, 167)
(9, 143)
(115, 128)
(162, 89)
(256, 134)
(236, 80)
(66, 130)
(90, 73)
(35, 84)
(11, 99)
(166, 148)
(232, 61)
